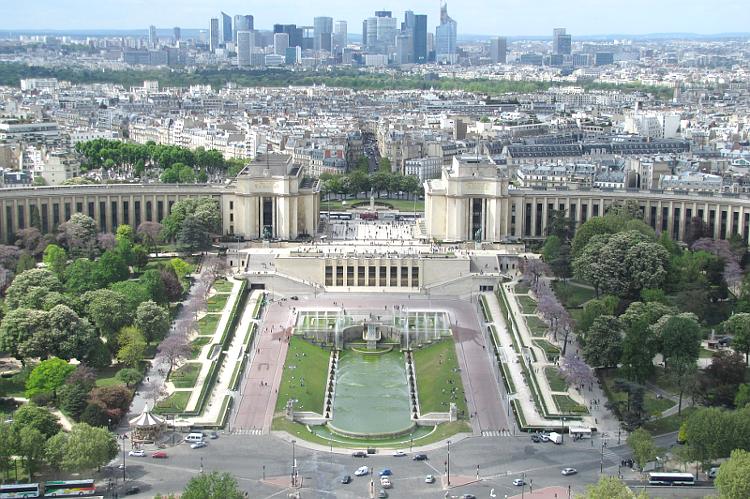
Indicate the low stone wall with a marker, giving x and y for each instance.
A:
(309, 418)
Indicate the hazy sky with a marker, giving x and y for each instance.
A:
(501, 17)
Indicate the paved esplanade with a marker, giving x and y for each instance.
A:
(484, 394)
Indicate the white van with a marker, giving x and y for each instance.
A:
(194, 437)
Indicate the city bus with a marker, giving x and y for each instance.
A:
(66, 488)
(671, 479)
(19, 490)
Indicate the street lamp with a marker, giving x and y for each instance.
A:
(293, 462)
(562, 437)
(448, 467)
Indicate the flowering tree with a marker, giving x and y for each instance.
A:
(575, 371)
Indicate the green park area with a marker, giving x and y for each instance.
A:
(304, 376)
(217, 302)
(527, 304)
(438, 378)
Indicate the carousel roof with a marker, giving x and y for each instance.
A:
(146, 419)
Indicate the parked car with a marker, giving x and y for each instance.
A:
(213, 435)
(385, 472)
(382, 494)
(712, 472)
(198, 445)
(346, 479)
(569, 471)
(137, 453)
(130, 491)
(429, 479)
(362, 471)
(518, 482)
(160, 454)
(544, 437)
(536, 438)
(359, 453)
(399, 453)
(468, 496)
(420, 457)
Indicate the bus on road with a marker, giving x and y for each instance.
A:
(69, 488)
(19, 490)
(671, 479)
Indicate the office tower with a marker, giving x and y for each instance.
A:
(213, 34)
(280, 43)
(431, 47)
(561, 42)
(408, 24)
(386, 33)
(295, 33)
(226, 28)
(404, 48)
(383, 13)
(152, 39)
(499, 50)
(322, 32)
(604, 58)
(242, 23)
(445, 37)
(308, 37)
(176, 34)
(245, 48)
(371, 32)
(340, 35)
(420, 38)
(293, 55)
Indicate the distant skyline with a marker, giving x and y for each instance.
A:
(477, 17)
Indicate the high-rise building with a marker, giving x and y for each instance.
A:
(226, 28)
(404, 48)
(420, 39)
(386, 33)
(383, 13)
(293, 55)
(408, 24)
(176, 34)
(295, 33)
(322, 32)
(242, 23)
(213, 34)
(561, 42)
(152, 38)
(280, 43)
(371, 33)
(499, 50)
(245, 48)
(340, 35)
(445, 37)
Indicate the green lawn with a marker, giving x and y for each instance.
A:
(567, 405)
(706, 353)
(670, 423)
(185, 376)
(550, 350)
(217, 303)
(106, 376)
(207, 324)
(571, 295)
(537, 326)
(222, 286)
(522, 288)
(652, 405)
(197, 345)
(527, 304)
(438, 380)
(303, 361)
(14, 386)
(556, 382)
(173, 404)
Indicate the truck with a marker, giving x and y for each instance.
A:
(555, 438)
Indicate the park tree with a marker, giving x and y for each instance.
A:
(720, 380)
(84, 448)
(683, 373)
(150, 234)
(644, 448)
(738, 326)
(132, 346)
(115, 400)
(592, 227)
(678, 336)
(80, 276)
(7, 448)
(733, 478)
(639, 344)
(67, 335)
(134, 291)
(105, 241)
(31, 240)
(551, 248)
(742, 398)
(153, 320)
(632, 410)
(18, 333)
(605, 305)
(703, 430)
(125, 232)
(213, 485)
(72, 398)
(37, 418)
(79, 235)
(602, 346)
(29, 288)
(9, 256)
(610, 487)
(172, 286)
(25, 262)
(30, 447)
(129, 376)
(203, 211)
(48, 376)
(153, 283)
(173, 349)
(105, 308)
(139, 256)
(194, 235)
(110, 267)
(56, 259)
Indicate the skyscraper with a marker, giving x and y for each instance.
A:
(280, 43)
(177, 34)
(499, 50)
(226, 28)
(245, 48)
(371, 32)
(386, 33)
(295, 33)
(445, 37)
(242, 23)
(322, 32)
(420, 38)
(404, 48)
(341, 36)
(561, 42)
(152, 39)
(213, 34)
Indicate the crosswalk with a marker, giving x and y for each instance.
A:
(611, 455)
(248, 431)
(492, 433)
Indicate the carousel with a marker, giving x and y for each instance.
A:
(146, 428)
